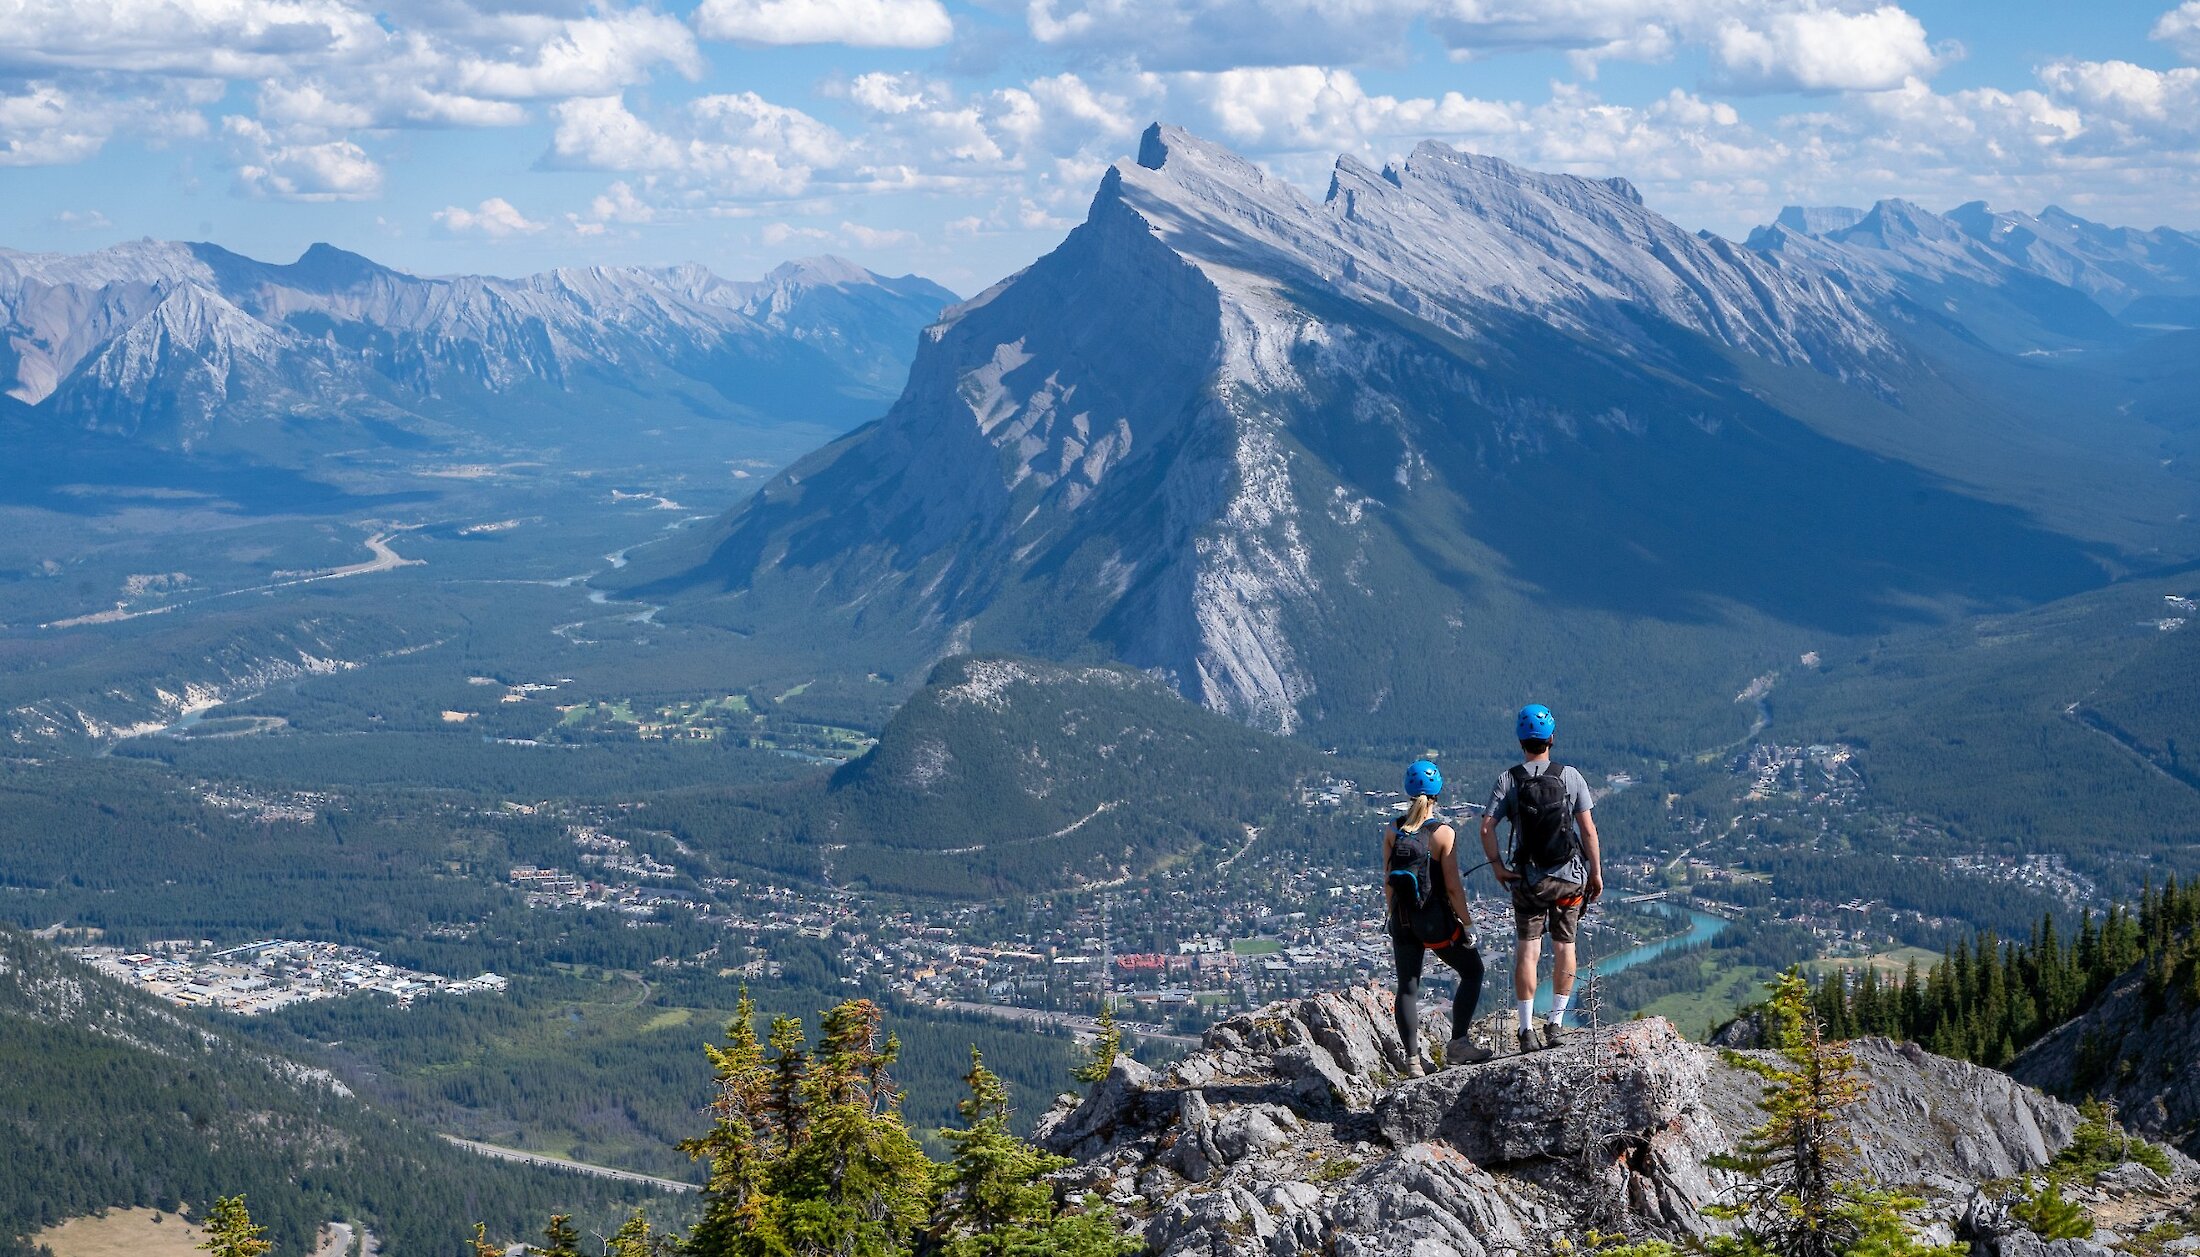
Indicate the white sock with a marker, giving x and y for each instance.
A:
(1526, 1009)
(1558, 1008)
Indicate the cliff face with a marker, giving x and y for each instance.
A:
(1278, 450)
(2149, 1065)
(1291, 1131)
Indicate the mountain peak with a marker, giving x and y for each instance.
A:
(825, 270)
(325, 266)
(253, 338)
(1818, 220)
(1165, 147)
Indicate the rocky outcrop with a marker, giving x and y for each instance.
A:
(1292, 1131)
(2148, 1064)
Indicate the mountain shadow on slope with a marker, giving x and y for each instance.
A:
(1257, 471)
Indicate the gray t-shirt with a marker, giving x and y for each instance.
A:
(1578, 800)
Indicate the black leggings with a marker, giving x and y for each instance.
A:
(1464, 958)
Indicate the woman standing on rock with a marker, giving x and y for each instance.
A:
(1428, 912)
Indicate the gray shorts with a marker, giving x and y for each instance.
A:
(1549, 904)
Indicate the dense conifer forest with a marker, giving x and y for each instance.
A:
(1993, 997)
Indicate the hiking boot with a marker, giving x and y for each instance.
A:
(1463, 1051)
(1554, 1034)
(1530, 1041)
(1414, 1068)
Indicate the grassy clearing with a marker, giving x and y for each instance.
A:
(123, 1233)
(1723, 992)
(668, 1019)
(1256, 947)
(1888, 963)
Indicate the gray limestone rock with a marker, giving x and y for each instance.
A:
(2131, 1178)
(1290, 1132)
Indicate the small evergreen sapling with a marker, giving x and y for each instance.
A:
(559, 1239)
(635, 1238)
(1106, 1046)
(230, 1231)
(1797, 1197)
(2051, 1217)
(995, 1200)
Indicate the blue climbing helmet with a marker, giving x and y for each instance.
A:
(1536, 723)
(1424, 777)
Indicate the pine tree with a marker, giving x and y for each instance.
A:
(1797, 1198)
(1912, 1003)
(1106, 1046)
(482, 1246)
(784, 1093)
(560, 1239)
(2051, 1217)
(635, 1238)
(230, 1231)
(743, 1120)
(994, 1181)
(996, 1202)
(857, 1184)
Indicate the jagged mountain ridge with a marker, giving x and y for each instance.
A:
(2021, 282)
(187, 346)
(1269, 446)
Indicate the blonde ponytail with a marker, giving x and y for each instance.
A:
(1418, 813)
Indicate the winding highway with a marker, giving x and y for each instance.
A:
(560, 1163)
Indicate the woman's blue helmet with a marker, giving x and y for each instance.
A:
(1424, 777)
(1537, 724)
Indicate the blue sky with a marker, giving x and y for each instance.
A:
(959, 139)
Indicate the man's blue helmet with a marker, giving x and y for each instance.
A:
(1423, 777)
(1537, 724)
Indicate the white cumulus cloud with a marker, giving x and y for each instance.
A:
(51, 123)
(876, 237)
(1308, 108)
(333, 170)
(495, 218)
(1823, 50)
(323, 72)
(860, 23)
(2180, 29)
(601, 133)
(2131, 102)
(777, 234)
(736, 146)
(581, 57)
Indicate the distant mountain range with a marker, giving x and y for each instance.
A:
(1457, 425)
(2018, 281)
(189, 347)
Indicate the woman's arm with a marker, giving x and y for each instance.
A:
(1382, 874)
(1440, 848)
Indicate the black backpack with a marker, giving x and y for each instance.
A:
(1543, 823)
(1417, 894)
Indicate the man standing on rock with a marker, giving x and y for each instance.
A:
(1554, 872)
